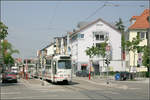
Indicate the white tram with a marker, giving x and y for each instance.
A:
(57, 69)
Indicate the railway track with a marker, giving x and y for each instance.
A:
(86, 92)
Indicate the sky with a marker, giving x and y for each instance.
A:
(33, 24)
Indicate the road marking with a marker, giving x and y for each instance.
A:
(134, 88)
(10, 93)
(34, 97)
(111, 92)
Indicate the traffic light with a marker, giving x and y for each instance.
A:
(107, 61)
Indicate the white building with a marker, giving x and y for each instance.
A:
(92, 34)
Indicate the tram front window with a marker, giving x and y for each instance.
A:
(64, 64)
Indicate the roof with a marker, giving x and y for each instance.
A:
(94, 22)
(141, 21)
(46, 47)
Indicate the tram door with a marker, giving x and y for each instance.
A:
(54, 70)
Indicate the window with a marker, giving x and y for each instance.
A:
(141, 34)
(98, 45)
(82, 35)
(146, 35)
(48, 63)
(101, 37)
(97, 37)
(64, 64)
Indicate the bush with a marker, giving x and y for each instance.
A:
(142, 74)
(147, 74)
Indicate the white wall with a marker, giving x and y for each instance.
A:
(50, 50)
(87, 41)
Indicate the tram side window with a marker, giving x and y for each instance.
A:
(48, 64)
(54, 69)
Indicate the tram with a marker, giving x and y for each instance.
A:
(57, 69)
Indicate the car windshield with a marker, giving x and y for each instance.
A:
(64, 64)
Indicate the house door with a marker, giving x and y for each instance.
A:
(83, 68)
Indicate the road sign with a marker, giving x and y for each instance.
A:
(140, 59)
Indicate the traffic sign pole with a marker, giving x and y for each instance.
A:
(107, 60)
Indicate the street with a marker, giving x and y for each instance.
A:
(80, 88)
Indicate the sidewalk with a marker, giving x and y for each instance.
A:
(102, 82)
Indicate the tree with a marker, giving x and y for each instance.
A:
(7, 51)
(3, 31)
(121, 28)
(102, 50)
(134, 46)
(146, 58)
(97, 51)
(3, 35)
(91, 51)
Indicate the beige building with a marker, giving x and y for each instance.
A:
(139, 25)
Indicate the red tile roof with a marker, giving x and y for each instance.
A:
(141, 21)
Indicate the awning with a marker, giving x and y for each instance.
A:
(84, 65)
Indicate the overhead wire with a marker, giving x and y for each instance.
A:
(98, 9)
(54, 14)
(111, 4)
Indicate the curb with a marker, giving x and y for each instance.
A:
(110, 85)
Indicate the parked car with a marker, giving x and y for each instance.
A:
(9, 76)
(82, 73)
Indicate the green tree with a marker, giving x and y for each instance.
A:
(3, 31)
(97, 51)
(121, 28)
(146, 58)
(134, 47)
(3, 35)
(91, 51)
(102, 50)
(7, 51)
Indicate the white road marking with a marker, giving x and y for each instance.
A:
(10, 93)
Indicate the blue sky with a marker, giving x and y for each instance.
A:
(33, 24)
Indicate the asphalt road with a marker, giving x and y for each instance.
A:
(78, 89)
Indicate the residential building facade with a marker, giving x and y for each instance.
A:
(91, 34)
(139, 26)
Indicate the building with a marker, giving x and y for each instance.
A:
(139, 25)
(59, 46)
(93, 34)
